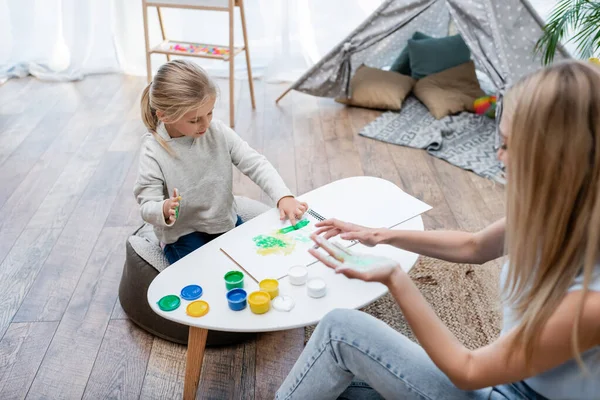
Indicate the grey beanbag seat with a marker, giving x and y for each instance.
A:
(144, 260)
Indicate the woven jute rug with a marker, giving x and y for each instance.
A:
(465, 297)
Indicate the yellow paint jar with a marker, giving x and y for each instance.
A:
(270, 286)
(260, 302)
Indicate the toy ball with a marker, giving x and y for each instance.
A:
(486, 106)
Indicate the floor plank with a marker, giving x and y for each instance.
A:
(66, 368)
(228, 373)
(166, 371)
(120, 368)
(276, 354)
(21, 352)
(342, 155)
(20, 268)
(312, 166)
(55, 284)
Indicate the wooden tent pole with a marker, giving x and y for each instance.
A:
(283, 94)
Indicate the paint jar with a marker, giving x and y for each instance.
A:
(316, 287)
(297, 275)
(270, 286)
(236, 298)
(197, 309)
(234, 279)
(260, 302)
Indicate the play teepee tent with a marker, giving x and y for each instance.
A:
(501, 35)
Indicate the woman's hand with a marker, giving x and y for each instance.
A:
(170, 206)
(347, 231)
(292, 209)
(357, 266)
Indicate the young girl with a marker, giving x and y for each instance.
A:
(550, 343)
(189, 155)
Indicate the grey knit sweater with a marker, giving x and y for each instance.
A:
(201, 170)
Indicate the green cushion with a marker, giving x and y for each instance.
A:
(402, 63)
(430, 56)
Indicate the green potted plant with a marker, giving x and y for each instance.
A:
(581, 18)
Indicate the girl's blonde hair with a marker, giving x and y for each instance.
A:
(553, 207)
(178, 88)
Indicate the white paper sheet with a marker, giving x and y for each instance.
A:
(263, 252)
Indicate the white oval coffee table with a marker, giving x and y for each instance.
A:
(359, 200)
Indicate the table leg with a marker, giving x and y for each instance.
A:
(193, 362)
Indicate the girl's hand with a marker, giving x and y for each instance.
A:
(292, 209)
(169, 207)
(348, 231)
(357, 266)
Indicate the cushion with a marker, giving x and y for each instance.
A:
(450, 91)
(144, 259)
(402, 63)
(378, 89)
(429, 56)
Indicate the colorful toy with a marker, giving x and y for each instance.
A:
(486, 106)
(199, 49)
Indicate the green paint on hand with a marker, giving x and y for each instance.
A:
(301, 224)
(268, 242)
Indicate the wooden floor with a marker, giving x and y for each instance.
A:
(68, 161)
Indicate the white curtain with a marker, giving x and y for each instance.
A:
(67, 39)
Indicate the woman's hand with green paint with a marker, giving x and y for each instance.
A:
(357, 266)
(291, 208)
(347, 231)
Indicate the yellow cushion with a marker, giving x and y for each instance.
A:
(378, 89)
(451, 91)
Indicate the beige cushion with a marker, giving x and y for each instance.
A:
(378, 89)
(450, 91)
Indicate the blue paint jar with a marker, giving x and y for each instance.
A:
(237, 299)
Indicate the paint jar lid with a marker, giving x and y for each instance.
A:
(197, 308)
(297, 275)
(283, 303)
(169, 303)
(191, 292)
(316, 287)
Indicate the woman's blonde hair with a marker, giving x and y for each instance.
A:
(553, 204)
(178, 88)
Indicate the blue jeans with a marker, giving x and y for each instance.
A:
(190, 242)
(352, 355)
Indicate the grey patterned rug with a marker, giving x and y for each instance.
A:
(466, 140)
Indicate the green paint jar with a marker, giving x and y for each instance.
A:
(234, 279)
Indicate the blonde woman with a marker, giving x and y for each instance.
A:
(550, 342)
(189, 155)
